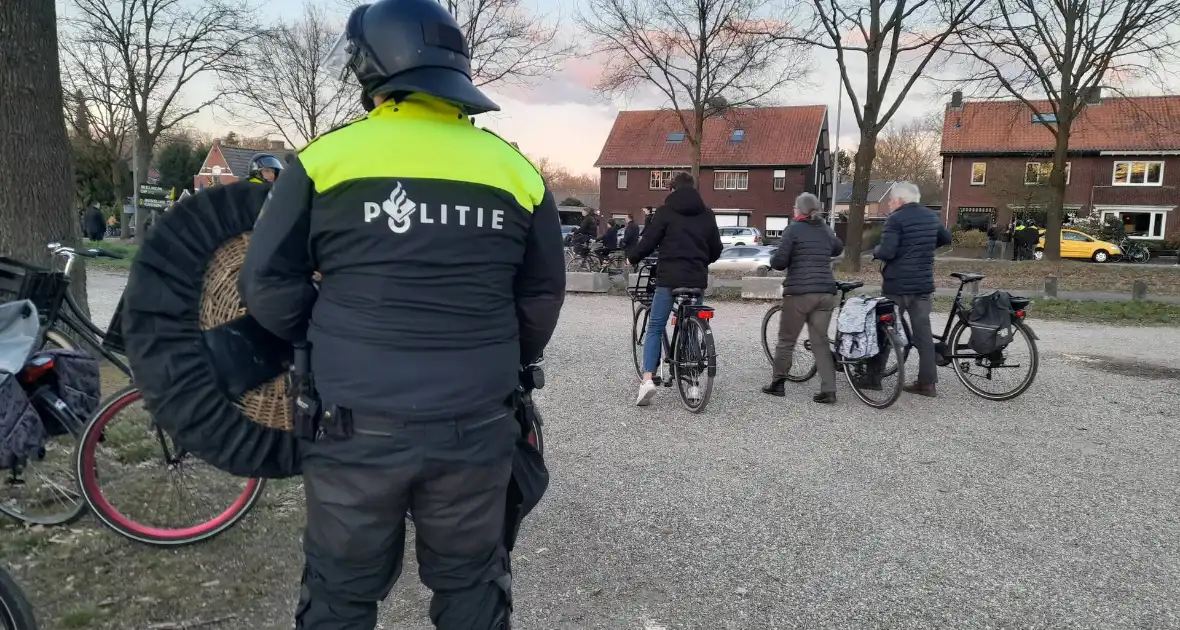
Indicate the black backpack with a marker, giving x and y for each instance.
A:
(991, 322)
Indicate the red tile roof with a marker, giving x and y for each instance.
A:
(774, 136)
(1114, 124)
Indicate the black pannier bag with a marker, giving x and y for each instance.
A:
(991, 324)
(22, 436)
(77, 383)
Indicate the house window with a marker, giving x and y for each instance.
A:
(1138, 173)
(731, 180)
(1038, 173)
(1044, 118)
(660, 180)
(780, 180)
(622, 180)
(1140, 224)
(738, 135)
(978, 173)
(676, 137)
(776, 225)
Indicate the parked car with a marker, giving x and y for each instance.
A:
(744, 259)
(740, 236)
(1075, 244)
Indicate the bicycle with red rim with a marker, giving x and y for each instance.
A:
(112, 445)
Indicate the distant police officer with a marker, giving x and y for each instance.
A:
(265, 168)
(442, 272)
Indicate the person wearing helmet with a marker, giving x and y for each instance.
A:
(265, 168)
(442, 267)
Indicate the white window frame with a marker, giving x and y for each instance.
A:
(983, 179)
(1156, 215)
(663, 177)
(621, 180)
(780, 179)
(1040, 167)
(722, 180)
(1114, 181)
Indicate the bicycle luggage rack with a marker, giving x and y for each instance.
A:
(645, 282)
(22, 281)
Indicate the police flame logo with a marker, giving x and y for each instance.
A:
(399, 207)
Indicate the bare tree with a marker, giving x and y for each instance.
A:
(700, 56)
(561, 179)
(157, 48)
(898, 40)
(281, 86)
(508, 43)
(1063, 51)
(91, 81)
(36, 176)
(910, 152)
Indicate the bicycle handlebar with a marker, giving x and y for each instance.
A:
(93, 252)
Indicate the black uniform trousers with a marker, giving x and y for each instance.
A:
(453, 475)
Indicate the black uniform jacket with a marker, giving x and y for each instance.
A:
(441, 256)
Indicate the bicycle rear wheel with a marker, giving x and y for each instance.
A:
(979, 373)
(803, 366)
(872, 390)
(45, 491)
(694, 364)
(16, 613)
(123, 450)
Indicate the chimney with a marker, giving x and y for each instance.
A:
(1094, 95)
(277, 145)
(217, 142)
(957, 99)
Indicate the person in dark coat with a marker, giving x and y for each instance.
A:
(96, 223)
(911, 234)
(630, 233)
(993, 237)
(1013, 240)
(685, 231)
(809, 295)
(1030, 236)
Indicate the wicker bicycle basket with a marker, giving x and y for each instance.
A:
(268, 404)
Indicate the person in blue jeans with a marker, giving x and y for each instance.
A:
(683, 232)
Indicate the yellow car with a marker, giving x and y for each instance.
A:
(1074, 244)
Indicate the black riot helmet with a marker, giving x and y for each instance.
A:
(398, 47)
(265, 160)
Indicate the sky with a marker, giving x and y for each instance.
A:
(563, 119)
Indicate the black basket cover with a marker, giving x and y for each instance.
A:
(176, 363)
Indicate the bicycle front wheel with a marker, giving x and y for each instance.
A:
(1001, 375)
(638, 334)
(124, 459)
(803, 366)
(694, 364)
(16, 613)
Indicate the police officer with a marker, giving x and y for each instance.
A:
(442, 273)
(265, 168)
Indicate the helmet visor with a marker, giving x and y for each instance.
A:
(336, 62)
(268, 161)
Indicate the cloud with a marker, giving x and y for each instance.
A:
(574, 82)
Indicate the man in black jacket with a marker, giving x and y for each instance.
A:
(630, 233)
(809, 295)
(685, 231)
(911, 234)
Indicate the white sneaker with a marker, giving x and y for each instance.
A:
(647, 391)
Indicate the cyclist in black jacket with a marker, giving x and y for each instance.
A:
(685, 231)
(442, 272)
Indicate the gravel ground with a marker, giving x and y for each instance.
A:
(772, 513)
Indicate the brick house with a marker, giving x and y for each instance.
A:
(1124, 162)
(875, 206)
(754, 162)
(226, 164)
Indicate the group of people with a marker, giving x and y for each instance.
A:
(615, 238)
(1023, 235)
(686, 240)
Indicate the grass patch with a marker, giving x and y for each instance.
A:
(1144, 313)
(1075, 276)
(128, 250)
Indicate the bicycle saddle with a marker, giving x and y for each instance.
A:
(687, 291)
(967, 277)
(846, 286)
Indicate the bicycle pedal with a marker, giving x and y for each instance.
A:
(656, 380)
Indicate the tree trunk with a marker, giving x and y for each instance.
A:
(36, 169)
(144, 159)
(862, 173)
(698, 132)
(1056, 211)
